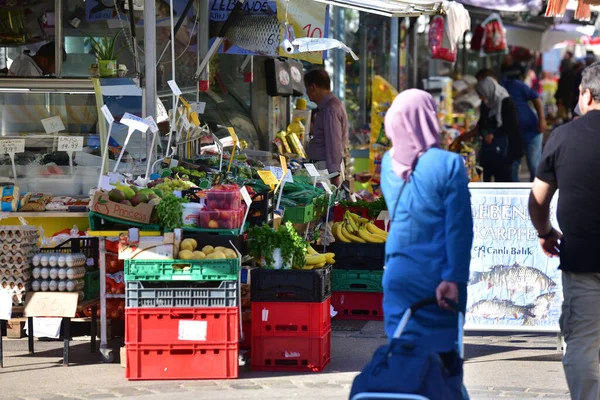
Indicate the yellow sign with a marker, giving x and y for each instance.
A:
(268, 178)
(185, 104)
(284, 167)
(235, 144)
(308, 20)
(195, 119)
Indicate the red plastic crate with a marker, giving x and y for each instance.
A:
(358, 305)
(296, 354)
(182, 361)
(291, 319)
(246, 343)
(181, 325)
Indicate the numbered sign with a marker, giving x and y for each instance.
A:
(70, 143)
(12, 146)
(312, 171)
(268, 178)
(174, 87)
(53, 124)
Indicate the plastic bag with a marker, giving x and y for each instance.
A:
(438, 43)
(494, 38)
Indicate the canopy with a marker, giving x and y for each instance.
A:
(539, 40)
(391, 8)
(534, 6)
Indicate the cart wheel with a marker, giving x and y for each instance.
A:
(107, 356)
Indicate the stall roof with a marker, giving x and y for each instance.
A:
(506, 5)
(391, 8)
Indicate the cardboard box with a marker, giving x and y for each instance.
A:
(123, 357)
(148, 247)
(142, 213)
(15, 328)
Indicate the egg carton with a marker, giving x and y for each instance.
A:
(19, 247)
(13, 285)
(15, 258)
(15, 274)
(17, 236)
(10, 266)
(58, 273)
(61, 260)
(18, 296)
(57, 285)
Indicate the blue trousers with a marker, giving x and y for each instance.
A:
(533, 154)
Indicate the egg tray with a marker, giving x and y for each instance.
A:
(27, 248)
(37, 261)
(38, 274)
(17, 236)
(79, 285)
(14, 258)
(15, 274)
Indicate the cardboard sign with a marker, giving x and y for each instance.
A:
(107, 114)
(268, 178)
(53, 124)
(174, 87)
(12, 146)
(70, 143)
(141, 213)
(51, 304)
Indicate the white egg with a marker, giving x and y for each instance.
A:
(62, 286)
(45, 273)
(52, 286)
(62, 261)
(71, 273)
(62, 273)
(44, 260)
(71, 286)
(44, 286)
(36, 272)
(35, 286)
(53, 273)
(36, 260)
(53, 260)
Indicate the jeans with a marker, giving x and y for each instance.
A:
(580, 326)
(533, 153)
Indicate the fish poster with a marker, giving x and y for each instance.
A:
(260, 31)
(513, 284)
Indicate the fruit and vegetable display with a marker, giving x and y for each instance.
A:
(133, 195)
(190, 250)
(356, 229)
(301, 192)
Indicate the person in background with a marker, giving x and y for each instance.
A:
(532, 124)
(570, 164)
(590, 58)
(43, 62)
(564, 93)
(329, 144)
(499, 126)
(428, 251)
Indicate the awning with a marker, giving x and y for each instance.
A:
(390, 8)
(534, 6)
(545, 40)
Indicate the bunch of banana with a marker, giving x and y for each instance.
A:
(315, 260)
(356, 229)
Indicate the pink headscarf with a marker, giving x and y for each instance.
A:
(412, 125)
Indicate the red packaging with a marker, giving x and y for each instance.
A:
(436, 41)
(494, 40)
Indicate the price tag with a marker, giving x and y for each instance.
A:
(268, 178)
(53, 124)
(246, 196)
(186, 123)
(12, 146)
(200, 107)
(327, 188)
(152, 124)
(107, 114)
(70, 143)
(134, 123)
(234, 136)
(284, 167)
(278, 172)
(218, 143)
(312, 171)
(343, 171)
(174, 88)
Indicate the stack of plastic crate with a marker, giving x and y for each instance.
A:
(182, 319)
(291, 324)
(357, 281)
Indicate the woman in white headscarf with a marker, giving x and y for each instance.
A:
(499, 127)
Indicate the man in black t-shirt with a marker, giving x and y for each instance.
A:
(571, 163)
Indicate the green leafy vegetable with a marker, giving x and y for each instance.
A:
(170, 210)
(264, 240)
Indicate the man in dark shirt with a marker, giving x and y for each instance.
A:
(329, 144)
(570, 163)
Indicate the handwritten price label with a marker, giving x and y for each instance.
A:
(312, 171)
(175, 88)
(53, 124)
(268, 178)
(12, 146)
(70, 143)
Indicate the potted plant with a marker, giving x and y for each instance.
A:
(104, 49)
(277, 249)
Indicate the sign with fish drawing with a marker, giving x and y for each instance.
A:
(513, 284)
(262, 29)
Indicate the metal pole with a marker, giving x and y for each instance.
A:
(394, 52)
(203, 39)
(339, 56)
(58, 41)
(150, 66)
(364, 43)
(465, 56)
(414, 50)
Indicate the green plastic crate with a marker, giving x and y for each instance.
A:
(101, 222)
(357, 281)
(182, 270)
(91, 289)
(299, 215)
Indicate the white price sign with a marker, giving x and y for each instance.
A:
(246, 196)
(152, 123)
(174, 88)
(70, 143)
(312, 171)
(134, 123)
(278, 172)
(12, 146)
(53, 124)
(327, 188)
(200, 107)
(107, 114)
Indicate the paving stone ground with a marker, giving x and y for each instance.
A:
(498, 366)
